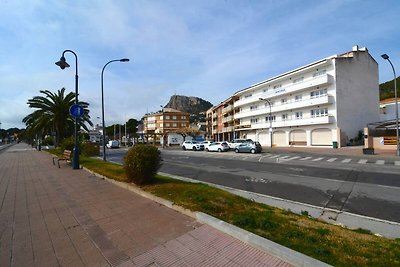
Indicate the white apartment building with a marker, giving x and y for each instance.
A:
(325, 103)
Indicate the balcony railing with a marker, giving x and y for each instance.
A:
(307, 102)
(286, 89)
(227, 119)
(290, 122)
(227, 109)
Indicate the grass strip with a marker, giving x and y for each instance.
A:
(329, 243)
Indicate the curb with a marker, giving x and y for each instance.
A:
(291, 256)
(380, 227)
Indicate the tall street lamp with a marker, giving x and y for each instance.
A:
(63, 64)
(386, 57)
(270, 120)
(102, 103)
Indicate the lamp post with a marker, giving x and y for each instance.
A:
(63, 64)
(270, 120)
(386, 57)
(102, 103)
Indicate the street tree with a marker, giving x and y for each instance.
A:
(52, 114)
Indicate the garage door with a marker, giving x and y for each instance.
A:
(251, 135)
(263, 138)
(298, 138)
(279, 138)
(321, 137)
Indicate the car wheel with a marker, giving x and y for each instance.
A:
(207, 150)
(236, 150)
(219, 150)
(194, 148)
(184, 148)
(253, 151)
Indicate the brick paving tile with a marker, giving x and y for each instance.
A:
(53, 216)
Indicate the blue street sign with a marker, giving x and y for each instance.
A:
(76, 111)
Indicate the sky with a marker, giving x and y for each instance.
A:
(208, 49)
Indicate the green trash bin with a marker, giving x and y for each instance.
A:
(334, 144)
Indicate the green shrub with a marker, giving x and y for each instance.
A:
(90, 149)
(48, 141)
(141, 163)
(67, 143)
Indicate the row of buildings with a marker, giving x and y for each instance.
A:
(325, 103)
(331, 102)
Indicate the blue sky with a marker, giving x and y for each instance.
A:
(208, 49)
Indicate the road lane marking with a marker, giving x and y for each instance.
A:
(284, 157)
(397, 163)
(292, 158)
(317, 159)
(331, 159)
(362, 161)
(380, 162)
(346, 160)
(276, 156)
(306, 158)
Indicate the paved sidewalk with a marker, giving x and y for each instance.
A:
(65, 217)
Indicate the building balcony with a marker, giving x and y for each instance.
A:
(227, 109)
(227, 119)
(228, 129)
(286, 89)
(307, 102)
(288, 123)
(215, 123)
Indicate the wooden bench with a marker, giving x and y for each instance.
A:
(66, 155)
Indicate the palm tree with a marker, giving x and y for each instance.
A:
(52, 114)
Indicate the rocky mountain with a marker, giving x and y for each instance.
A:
(386, 90)
(193, 105)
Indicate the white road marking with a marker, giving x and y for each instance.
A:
(346, 160)
(380, 162)
(331, 159)
(397, 163)
(317, 159)
(306, 158)
(362, 161)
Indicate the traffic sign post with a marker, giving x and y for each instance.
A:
(76, 111)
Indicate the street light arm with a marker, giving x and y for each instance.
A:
(76, 59)
(102, 102)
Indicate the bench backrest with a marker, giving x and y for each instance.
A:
(67, 153)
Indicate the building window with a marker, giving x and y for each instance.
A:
(277, 86)
(152, 118)
(298, 98)
(248, 95)
(318, 93)
(283, 101)
(299, 115)
(183, 124)
(174, 124)
(298, 80)
(270, 118)
(284, 117)
(254, 107)
(167, 117)
(319, 73)
(167, 124)
(174, 117)
(183, 117)
(319, 112)
(151, 125)
(253, 121)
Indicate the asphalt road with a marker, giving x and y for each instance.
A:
(353, 185)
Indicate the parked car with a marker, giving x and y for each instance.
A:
(218, 146)
(235, 142)
(206, 143)
(250, 147)
(192, 145)
(112, 144)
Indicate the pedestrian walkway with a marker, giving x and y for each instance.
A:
(65, 217)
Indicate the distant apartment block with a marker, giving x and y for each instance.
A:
(161, 124)
(325, 103)
(220, 121)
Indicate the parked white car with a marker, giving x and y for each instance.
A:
(218, 146)
(236, 142)
(112, 144)
(206, 143)
(192, 145)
